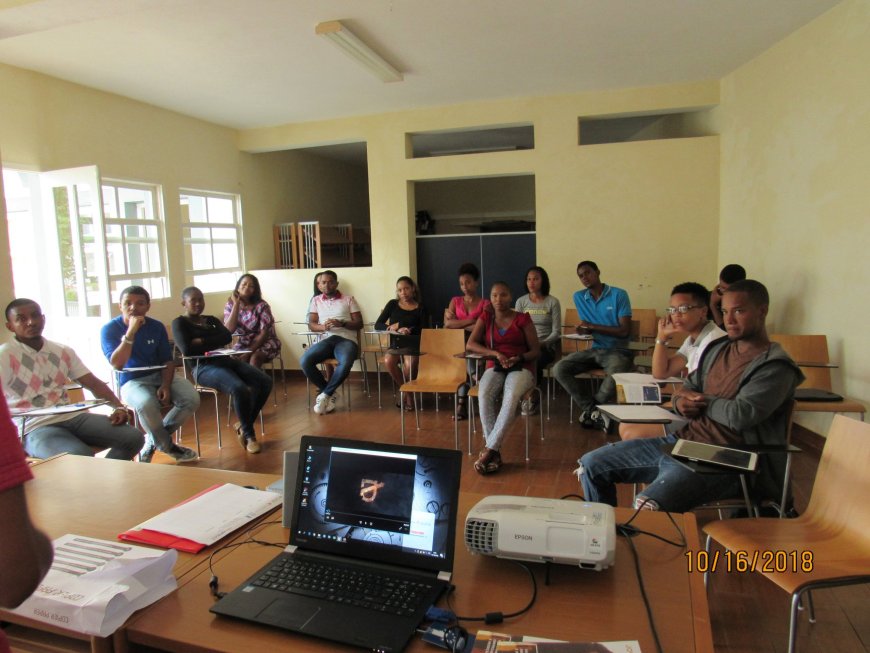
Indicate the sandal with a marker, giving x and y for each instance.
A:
(489, 462)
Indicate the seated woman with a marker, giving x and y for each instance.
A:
(247, 316)
(510, 338)
(546, 313)
(403, 316)
(462, 313)
(195, 334)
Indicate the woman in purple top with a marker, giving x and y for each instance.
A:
(247, 316)
(462, 313)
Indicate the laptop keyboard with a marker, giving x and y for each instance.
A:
(374, 591)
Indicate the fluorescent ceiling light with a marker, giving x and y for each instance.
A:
(348, 42)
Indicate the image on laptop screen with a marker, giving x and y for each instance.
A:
(383, 502)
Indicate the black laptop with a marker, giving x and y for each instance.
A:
(371, 545)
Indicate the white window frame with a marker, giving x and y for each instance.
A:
(236, 225)
(155, 221)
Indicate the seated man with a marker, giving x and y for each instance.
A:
(605, 314)
(133, 340)
(34, 371)
(740, 393)
(687, 313)
(338, 317)
(729, 274)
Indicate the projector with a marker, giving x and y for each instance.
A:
(543, 530)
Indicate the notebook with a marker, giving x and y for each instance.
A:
(371, 508)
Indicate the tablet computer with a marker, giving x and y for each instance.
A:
(701, 452)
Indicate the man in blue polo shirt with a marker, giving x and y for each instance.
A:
(132, 340)
(605, 314)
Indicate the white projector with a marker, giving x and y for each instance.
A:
(543, 530)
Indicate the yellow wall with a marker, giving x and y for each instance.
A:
(795, 158)
(620, 204)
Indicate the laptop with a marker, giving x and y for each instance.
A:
(372, 510)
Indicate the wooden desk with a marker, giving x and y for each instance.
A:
(577, 605)
(100, 498)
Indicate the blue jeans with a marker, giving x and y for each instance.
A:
(343, 350)
(612, 361)
(141, 395)
(248, 386)
(673, 486)
(511, 387)
(78, 434)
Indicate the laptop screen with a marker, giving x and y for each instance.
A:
(375, 501)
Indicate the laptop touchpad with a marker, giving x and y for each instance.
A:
(289, 613)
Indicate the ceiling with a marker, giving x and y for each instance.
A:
(252, 63)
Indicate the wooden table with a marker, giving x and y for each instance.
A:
(577, 605)
(100, 498)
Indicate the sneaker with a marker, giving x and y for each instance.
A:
(526, 407)
(329, 405)
(182, 454)
(252, 446)
(320, 403)
(586, 420)
(146, 454)
(533, 407)
(599, 421)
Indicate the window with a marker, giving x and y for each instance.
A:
(211, 225)
(134, 233)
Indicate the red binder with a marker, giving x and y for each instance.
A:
(164, 540)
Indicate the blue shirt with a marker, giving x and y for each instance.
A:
(150, 345)
(607, 310)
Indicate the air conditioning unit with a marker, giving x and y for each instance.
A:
(543, 530)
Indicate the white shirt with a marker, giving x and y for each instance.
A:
(337, 307)
(692, 349)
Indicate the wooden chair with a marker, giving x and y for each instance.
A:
(438, 371)
(474, 393)
(644, 324)
(831, 540)
(810, 352)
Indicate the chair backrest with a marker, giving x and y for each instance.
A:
(571, 320)
(813, 349)
(647, 323)
(437, 361)
(842, 486)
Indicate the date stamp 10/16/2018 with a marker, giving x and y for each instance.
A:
(764, 561)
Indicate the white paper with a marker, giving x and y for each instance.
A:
(211, 516)
(94, 585)
(637, 377)
(627, 413)
(578, 336)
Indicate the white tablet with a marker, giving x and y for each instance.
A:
(713, 454)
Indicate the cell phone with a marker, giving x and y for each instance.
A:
(702, 452)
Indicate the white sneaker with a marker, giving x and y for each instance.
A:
(320, 404)
(330, 404)
(525, 407)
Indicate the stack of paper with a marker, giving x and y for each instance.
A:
(204, 519)
(93, 585)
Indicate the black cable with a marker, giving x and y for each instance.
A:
(646, 603)
(498, 617)
(213, 581)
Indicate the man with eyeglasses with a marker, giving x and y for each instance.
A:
(605, 314)
(740, 393)
(687, 313)
(731, 273)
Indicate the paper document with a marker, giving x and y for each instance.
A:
(637, 377)
(94, 586)
(578, 336)
(212, 515)
(638, 414)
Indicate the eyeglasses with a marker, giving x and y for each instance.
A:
(682, 310)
